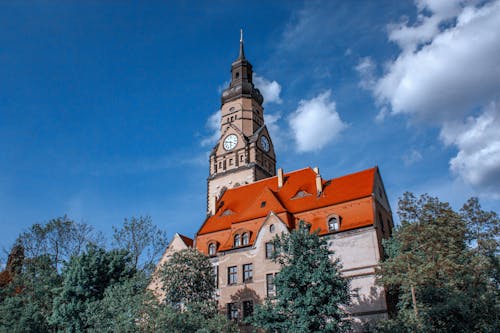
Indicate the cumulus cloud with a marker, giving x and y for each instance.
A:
(271, 90)
(478, 142)
(213, 125)
(315, 123)
(443, 73)
(446, 74)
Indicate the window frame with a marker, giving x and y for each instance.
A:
(212, 246)
(270, 250)
(335, 227)
(245, 238)
(237, 240)
(247, 272)
(270, 285)
(232, 311)
(232, 275)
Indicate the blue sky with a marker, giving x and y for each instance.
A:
(107, 108)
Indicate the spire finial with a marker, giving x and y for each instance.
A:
(242, 52)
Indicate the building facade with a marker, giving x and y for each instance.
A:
(250, 202)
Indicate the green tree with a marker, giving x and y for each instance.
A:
(188, 282)
(59, 238)
(145, 241)
(443, 285)
(85, 280)
(187, 277)
(26, 302)
(311, 293)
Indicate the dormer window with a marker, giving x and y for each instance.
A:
(212, 249)
(237, 240)
(333, 223)
(245, 238)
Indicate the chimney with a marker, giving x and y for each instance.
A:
(280, 177)
(319, 182)
(211, 205)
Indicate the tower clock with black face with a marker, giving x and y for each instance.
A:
(230, 142)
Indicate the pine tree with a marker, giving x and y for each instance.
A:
(311, 293)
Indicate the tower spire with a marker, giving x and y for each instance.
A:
(242, 51)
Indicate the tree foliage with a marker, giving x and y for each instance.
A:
(85, 280)
(447, 259)
(311, 294)
(145, 241)
(187, 277)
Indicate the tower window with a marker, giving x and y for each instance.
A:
(237, 75)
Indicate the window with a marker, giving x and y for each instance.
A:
(237, 240)
(269, 250)
(247, 308)
(270, 287)
(241, 158)
(333, 224)
(237, 74)
(245, 238)
(216, 276)
(232, 311)
(262, 204)
(212, 248)
(247, 272)
(272, 228)
(232, 275)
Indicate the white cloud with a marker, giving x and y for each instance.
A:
(271, 90)
(441, 74)
(315, 123)
(412, 157)
(478, 141)
(213, 125)
(366, 70)
(449, 69)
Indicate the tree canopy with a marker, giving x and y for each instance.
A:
(444, 267)
(311, 293)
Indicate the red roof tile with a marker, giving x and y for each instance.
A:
(239, 201)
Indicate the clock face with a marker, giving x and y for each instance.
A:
(264, 142)
(230, 142)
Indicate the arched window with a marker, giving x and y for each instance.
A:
(272, 228)
(212, 249)
(333, 223)
(245, 238)
(237, 240)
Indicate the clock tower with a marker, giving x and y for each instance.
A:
(244, 152)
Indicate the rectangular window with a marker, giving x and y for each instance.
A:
(247, 308)
(232, 311)
(232, 275)
(247, 272)
(216, 276)
(270, 287)
(269, 250)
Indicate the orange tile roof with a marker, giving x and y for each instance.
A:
(238, 204)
